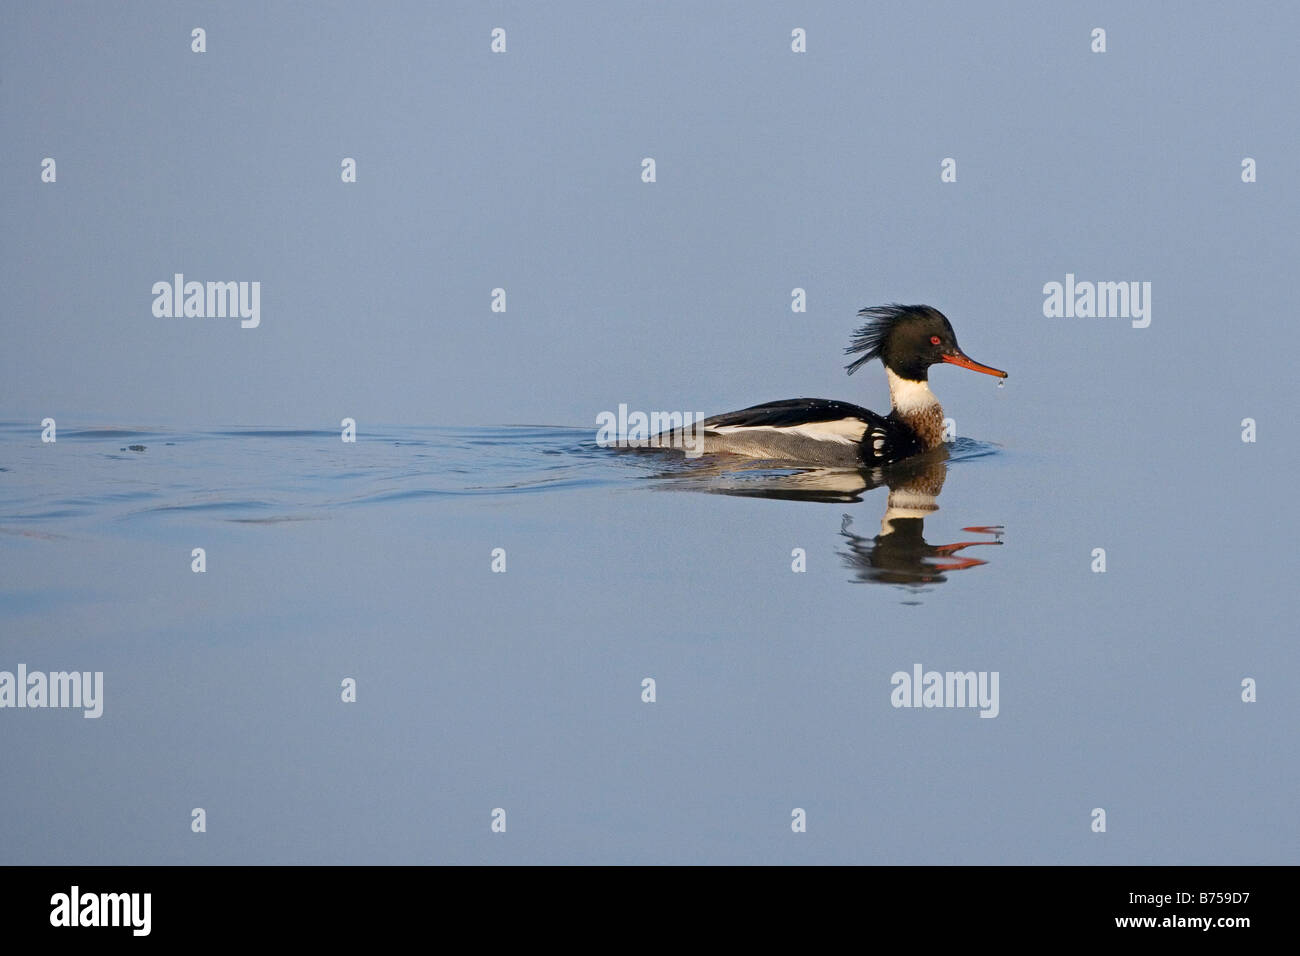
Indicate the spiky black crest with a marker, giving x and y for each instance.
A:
(868, 341)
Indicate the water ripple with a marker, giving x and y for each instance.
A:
(274, 475)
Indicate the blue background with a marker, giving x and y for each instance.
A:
(775, 171)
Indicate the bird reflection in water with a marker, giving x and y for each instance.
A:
(899, 554)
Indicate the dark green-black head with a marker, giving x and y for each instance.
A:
(909, 339)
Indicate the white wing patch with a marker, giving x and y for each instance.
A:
(844, 431)
(878, 441)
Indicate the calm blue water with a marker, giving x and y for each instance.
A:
(522, 690)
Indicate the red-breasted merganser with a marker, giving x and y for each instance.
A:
(908, 339)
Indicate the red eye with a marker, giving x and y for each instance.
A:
(934, 340)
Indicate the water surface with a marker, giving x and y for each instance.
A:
(479, 689)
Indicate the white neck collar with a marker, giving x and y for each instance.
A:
(907, 395)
